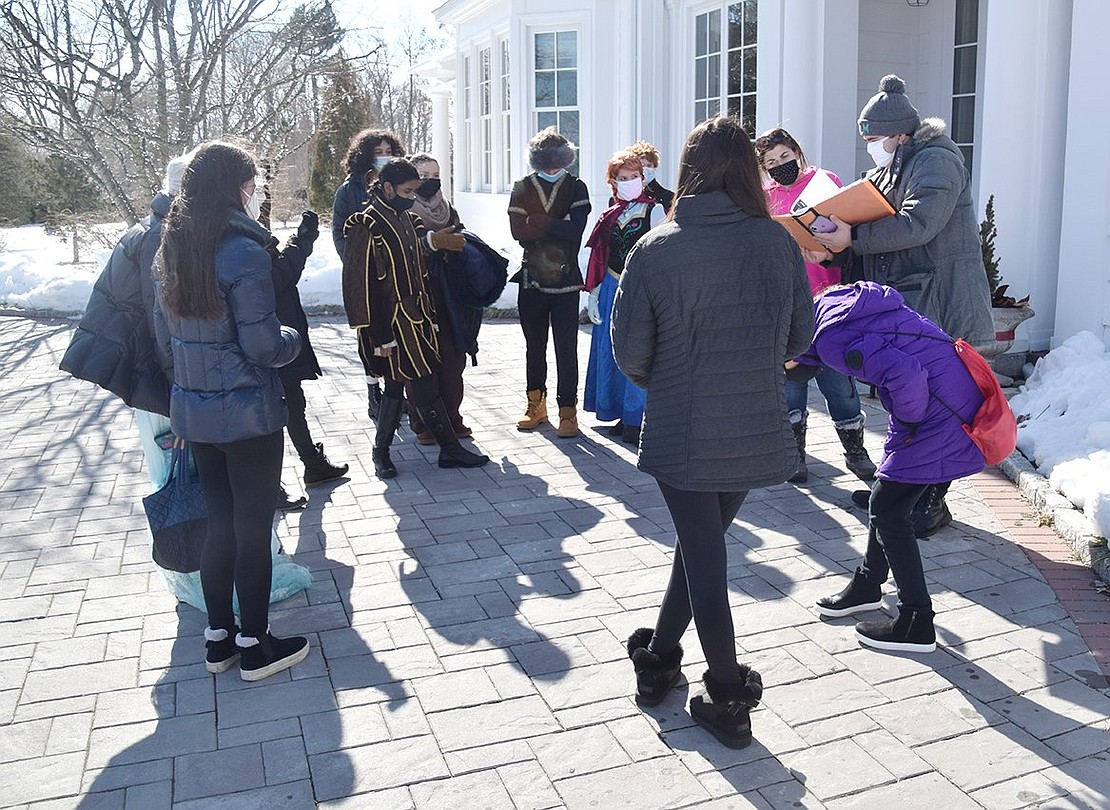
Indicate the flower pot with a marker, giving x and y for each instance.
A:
(1006, 321)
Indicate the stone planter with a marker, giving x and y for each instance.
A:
(1006, 320)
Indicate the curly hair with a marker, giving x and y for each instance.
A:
(360, 153)
(645, 152)
(778, 137)
(624, 159)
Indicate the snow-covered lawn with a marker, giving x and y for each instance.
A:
(1064, 407)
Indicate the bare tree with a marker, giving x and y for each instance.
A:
(403, 105)
(123, 85)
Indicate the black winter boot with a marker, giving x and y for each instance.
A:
(318, 470)
(930, 514)
(389, 417)
(374, 400)
(287, 504)
(860, 595)
(655, 674)
(855, 454)
(451, 453)
(726, 714)
(912, 631)
(802, 475)
(862, 498)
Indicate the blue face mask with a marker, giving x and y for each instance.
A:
(551, 178)
(381, 161)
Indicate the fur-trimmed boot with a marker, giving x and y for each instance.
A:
(855, 454)
(725, 714)
(655, 674)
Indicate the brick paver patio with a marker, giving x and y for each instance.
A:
(468, 630)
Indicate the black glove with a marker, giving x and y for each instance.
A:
(309, 229)
(802, 372)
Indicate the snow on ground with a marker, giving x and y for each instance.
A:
(1064, 424)
(1064, 406)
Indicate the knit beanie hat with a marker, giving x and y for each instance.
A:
(889, 112)
(175, 171)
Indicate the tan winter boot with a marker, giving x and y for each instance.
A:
(536, 414)
(568, 422)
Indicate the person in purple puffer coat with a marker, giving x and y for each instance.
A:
(867, 331)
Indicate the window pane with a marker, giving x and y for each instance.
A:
(699, 112)
(967, 21)
(969, 154)
(749, 70)
(545, 51)
(699, 78)
(486, 100)
(713, 108)
(567, 88)
(568, 49)
(734, 106)
(714, 75)
(504, 57)
(568, 125)
(735, 25)
(505, 93)
(714, 31)
(506, 143)
(701, 34)
(963, 70)
(751, 21)
(747, 115)
(735, 72)
(963, 119)
(545, 88)
(484, 65)
(546, 119)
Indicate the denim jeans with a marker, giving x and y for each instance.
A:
(891, 546)
(839, 391)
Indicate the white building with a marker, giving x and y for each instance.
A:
(1019, 82)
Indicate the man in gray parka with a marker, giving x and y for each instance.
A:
(929, 250)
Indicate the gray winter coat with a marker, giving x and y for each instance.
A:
(929, 250)
(226, 385)
(708, 309)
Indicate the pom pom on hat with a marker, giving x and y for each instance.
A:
(889, 112)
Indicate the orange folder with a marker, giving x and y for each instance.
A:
(855, 204)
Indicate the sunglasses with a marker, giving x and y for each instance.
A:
(776, 137)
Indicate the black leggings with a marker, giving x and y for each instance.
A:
(240, 484)
(698, 588)
(891, 546)
(297, 428)
(540, 311)
(425, 390)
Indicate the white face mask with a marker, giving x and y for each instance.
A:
(649, 174)
(877, 150)
(380, 161)
(253, 204)
(629, 189)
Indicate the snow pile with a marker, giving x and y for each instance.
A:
(37, 270)
(1063, 412)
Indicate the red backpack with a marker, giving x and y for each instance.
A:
(994, 428)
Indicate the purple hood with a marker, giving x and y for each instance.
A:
(868, 332)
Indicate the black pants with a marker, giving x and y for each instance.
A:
(540, 311)
(297, 427)
(698, 588)
(449, 385)
(423, 390)
(240, 484)
(891, 546)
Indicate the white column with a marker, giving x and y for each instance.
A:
(441, 134)
(1083, 301)
(1023, 107)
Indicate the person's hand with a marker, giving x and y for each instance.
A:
(816, 256)
(446, 239)
(593, 306)
(838, 239)
(309, 228)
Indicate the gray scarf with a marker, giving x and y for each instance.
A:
(436, 212)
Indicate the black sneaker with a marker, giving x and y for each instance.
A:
(912, 631)
(930, 514)
(222, 654)
(287, 504)
(859, 596)
(270, 656)
(862, 498)
(615, 430)
(726, 713)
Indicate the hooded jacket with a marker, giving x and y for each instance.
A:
(929, 250)
(709, 307)
(226, 384)
(114, 344)
(867, 331)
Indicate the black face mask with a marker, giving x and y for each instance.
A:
(785, 173)
(400, 204)
(429, 188)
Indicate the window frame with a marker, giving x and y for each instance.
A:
(716, 96)
(537, 113)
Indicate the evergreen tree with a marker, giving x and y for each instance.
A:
(344, 111)
(987, 233)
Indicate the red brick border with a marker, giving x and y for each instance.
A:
(1072, 580)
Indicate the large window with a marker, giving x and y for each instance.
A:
(964, 78)
(485, 116)
(725, 62)
(506, 128)
(556, 84)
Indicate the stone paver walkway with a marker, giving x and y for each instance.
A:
(468, 631)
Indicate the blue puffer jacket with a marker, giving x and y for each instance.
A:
(226, 385)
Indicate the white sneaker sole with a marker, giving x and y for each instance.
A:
(221, 666)
(276, 666)
(896, 646)
(836, 613)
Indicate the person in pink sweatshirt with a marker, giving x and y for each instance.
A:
(788, 173)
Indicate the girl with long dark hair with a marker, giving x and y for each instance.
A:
(709, 307)
(215, 312)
